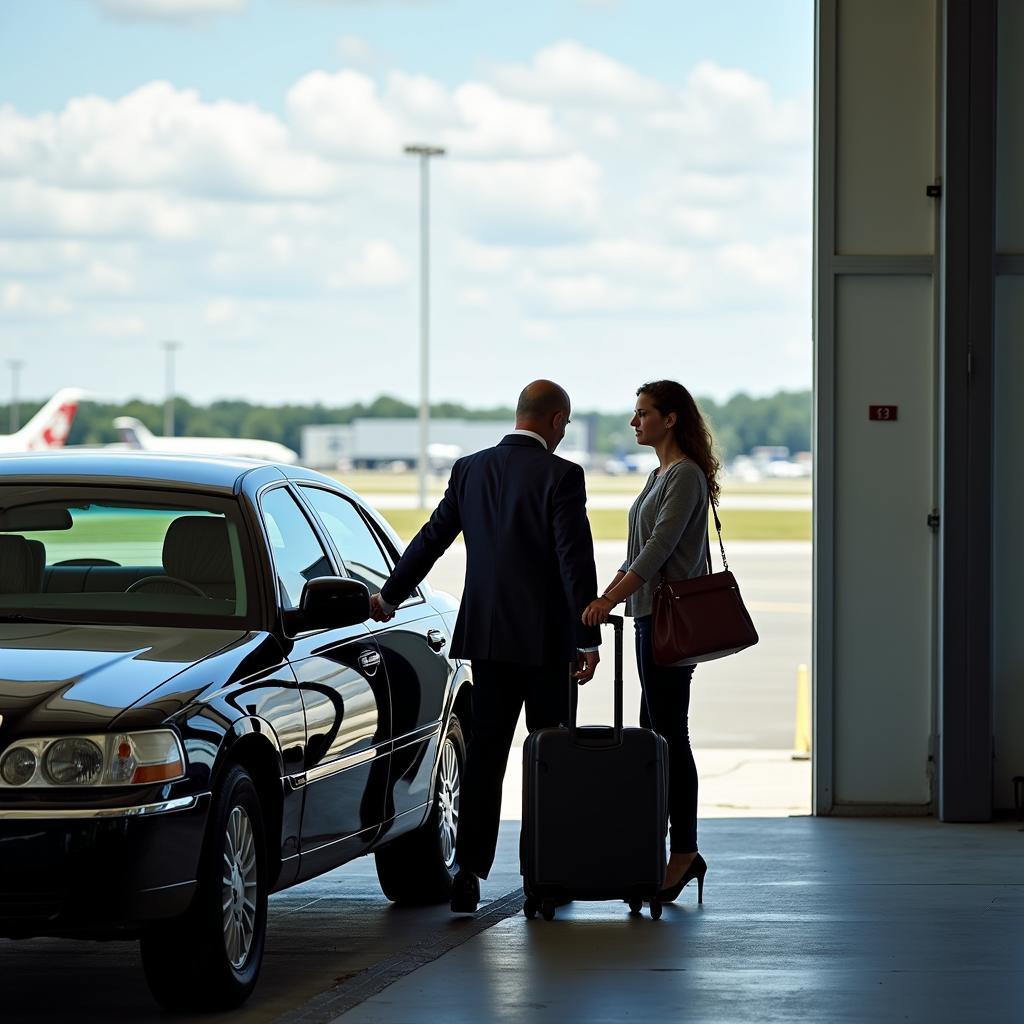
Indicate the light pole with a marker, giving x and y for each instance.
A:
(424, 153)
(170, 347)
(15, 365)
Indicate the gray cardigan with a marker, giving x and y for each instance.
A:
(668, 531)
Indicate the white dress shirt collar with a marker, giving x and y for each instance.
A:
(530, 433)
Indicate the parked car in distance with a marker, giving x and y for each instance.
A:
(195, 710)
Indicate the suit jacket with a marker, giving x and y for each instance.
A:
(529, 555)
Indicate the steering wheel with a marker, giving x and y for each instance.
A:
(152, 581)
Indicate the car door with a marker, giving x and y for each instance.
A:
(414, 645)
(345, 697)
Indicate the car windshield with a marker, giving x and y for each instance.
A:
(111, 557)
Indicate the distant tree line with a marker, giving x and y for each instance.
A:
(739, 424)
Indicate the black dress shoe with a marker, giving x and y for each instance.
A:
(465, 893)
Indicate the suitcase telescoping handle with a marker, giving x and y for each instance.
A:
(591, 736)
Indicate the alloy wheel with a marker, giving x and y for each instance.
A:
(448, 785)
(239, 887)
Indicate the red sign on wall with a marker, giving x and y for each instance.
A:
(884, 413)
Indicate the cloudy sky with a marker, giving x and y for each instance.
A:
(626, 195)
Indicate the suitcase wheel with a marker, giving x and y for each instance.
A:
(547, 910)
(636, 905)
(530, 908)
(655, 910)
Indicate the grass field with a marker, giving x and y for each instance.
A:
(597, 483)
(610, 523)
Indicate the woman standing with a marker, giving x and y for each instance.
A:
(668, 537)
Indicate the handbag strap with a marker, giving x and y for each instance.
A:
(713, 505)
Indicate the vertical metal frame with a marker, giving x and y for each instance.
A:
(968, 282)
(823, 616)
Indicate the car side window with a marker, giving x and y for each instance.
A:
(352, 537)
(298, 555)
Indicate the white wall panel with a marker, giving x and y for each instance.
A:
(1008, 539)
(885, 142)
(883, 645)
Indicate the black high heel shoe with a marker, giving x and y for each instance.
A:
(697, 869)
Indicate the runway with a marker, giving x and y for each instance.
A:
(747, 701)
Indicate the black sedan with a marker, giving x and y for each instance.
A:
(195, 710)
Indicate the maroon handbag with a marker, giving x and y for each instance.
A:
(702, 618)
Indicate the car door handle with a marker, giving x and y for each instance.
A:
(369, 660)
(436, 639)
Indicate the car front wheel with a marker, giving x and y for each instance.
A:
(418, 868)
(210, 958)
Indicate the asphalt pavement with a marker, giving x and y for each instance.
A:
(745, 702)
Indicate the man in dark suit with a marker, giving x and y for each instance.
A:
(529, 574)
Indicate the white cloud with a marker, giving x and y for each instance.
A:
(485, 260)
(30, 209)
(105, 277)
(220, 312)
(494, 126)
(569, 73)
(347, 116)
(475, 298)
(578, 198)
(520, 201)
(356, 51)
(19, 300)
(378, 265)
(127, 326)
(170, 10)
(539, 330)
(158, 135)
(342, 114)
(727, 119)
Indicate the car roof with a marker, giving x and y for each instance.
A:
(126, 468)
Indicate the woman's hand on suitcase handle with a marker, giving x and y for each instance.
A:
(625, 583)
(597, 611)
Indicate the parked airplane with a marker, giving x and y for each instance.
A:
(136, 435)
(49, 428)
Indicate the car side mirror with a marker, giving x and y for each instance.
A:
(333, 601)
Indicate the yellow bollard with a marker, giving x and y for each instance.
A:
(802, 732)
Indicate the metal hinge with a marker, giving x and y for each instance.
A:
(934, 520)
(934, 191)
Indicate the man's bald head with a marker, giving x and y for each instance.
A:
(544, 408)
(541, 400)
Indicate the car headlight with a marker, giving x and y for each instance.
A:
(17, 766)
(111, 759)
(73, 762)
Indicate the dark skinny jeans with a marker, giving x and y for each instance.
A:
(666, 691)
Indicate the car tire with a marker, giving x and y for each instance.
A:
(209, 959)
(418, 868)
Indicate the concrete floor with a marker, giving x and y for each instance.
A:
(321, 934)
(804, 920)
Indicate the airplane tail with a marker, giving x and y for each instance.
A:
(49, 428)
(133, 432)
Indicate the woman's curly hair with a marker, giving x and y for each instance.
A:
(691, 430)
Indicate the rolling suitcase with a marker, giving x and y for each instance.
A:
(595, 812)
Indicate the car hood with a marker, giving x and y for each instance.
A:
(62, 677)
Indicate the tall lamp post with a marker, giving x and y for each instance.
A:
(15, 365)
(424, 153)
(169, 347)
